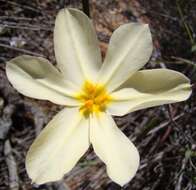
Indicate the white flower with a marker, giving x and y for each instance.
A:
(92, 93)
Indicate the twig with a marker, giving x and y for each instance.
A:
(169, 129)
(184, 23)
(184, 61)
(37, 9)
(168, 122)
(12, 167)
(165, 124)
(20, 50)
(26, 27)
(179, 182)
(6, 121)
(39, 117)
(15, 18)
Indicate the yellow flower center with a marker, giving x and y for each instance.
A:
(94, 98)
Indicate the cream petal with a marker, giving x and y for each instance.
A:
(129, 50)
(76, 46)
(35, 77)
(114, 149)
(150, 88)
(59, 147)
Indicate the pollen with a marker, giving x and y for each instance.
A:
(94, 98)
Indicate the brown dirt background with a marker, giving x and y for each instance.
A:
(164, 135)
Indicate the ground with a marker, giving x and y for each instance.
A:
(164, 135)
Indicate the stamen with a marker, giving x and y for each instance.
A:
(94, 98)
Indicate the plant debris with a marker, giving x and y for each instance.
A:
(164, 135)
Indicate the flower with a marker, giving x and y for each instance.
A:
(92, 93)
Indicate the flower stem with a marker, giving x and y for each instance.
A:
(86, 8)
(64, 3)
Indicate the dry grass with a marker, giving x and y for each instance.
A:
(165, 135)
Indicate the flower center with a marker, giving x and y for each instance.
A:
(94, 98)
